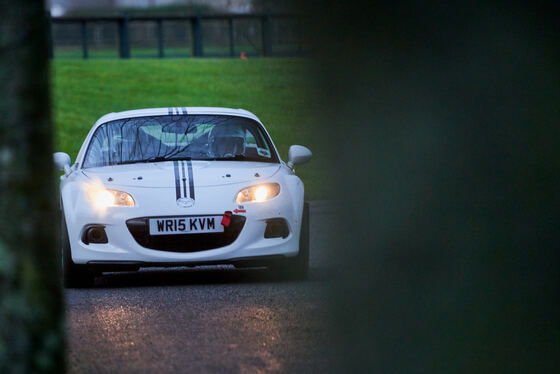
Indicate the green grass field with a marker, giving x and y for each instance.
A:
(276, 90)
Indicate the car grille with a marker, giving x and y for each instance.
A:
(140, 230)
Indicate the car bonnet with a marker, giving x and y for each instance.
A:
(168, 174)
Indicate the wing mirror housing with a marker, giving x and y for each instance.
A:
(62, 161)
(297, 155)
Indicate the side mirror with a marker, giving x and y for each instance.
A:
(298, 155)
(62, 161)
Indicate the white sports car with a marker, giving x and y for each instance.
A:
(181, 187)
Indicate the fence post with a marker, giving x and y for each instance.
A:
(124, 51)
(160, 37)
(197, 36)
(84, 40)
(230, 29)
(50, 48)
(266, 41)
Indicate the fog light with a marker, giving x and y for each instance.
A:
(276, 228)
(94, 234)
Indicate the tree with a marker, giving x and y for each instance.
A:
(31, 308)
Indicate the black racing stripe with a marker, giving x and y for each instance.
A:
(184, 178)
(170, 111)
(191, 181)
(177, 181)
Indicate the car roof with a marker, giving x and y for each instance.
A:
(174, 111)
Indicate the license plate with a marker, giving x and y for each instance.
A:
(185, 225)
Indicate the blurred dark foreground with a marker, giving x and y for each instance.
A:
(31, 310)
(445, 127)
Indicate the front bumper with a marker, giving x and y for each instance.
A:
(122, 247)
(249, 243)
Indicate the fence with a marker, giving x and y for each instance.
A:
(175, 36)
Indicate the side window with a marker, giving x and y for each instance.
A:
(256, 144)
(250, 140)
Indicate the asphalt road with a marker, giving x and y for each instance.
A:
(208, 319)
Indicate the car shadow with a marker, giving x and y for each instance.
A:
(153, 277)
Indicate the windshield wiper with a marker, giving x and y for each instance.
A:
(183, 158)
(238, 157)
(154, 159)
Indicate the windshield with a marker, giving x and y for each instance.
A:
(181, 137)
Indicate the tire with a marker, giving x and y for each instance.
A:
(296, 268)
(74, 275)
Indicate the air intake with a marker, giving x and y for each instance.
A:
(276, 228)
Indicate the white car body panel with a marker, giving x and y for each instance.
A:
(153, 187)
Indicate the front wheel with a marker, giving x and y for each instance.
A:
(297, 267)
(74, 275)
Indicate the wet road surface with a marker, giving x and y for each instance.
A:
(207, 319)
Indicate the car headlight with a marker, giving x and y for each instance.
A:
(103, 198)
(258, 193)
